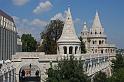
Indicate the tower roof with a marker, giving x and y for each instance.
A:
(68, 33)
(96, 22)
(85, 29)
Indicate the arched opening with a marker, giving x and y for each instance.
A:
(93, 42)
(95, 32)
(102, 51)
(65, 49)
(29, 73)
(76, 49)
(100, 42)
(70, 50)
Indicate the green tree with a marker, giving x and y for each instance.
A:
(50, 36)
(118, 76)
(68, 69)
(82, 45)
(29, 44)
(118, 62)
(117, 69)
(100, 77)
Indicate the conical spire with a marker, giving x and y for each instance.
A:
(68, 33)
(96, 22)
(85, 27)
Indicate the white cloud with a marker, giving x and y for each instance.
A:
(26, 26)
(38, 22)
(59, 16)
(43, 6)
(20, 2)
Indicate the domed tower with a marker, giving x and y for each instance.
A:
(85, 35)
(68, 43)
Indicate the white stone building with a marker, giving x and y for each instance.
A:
(69, 44)
(95, 39)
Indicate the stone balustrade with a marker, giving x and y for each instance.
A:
(92, 62)
(7, 73)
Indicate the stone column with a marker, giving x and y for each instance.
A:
(4, 78)
(8, 80)
(67, 49)
(79, 50)
(73, 49)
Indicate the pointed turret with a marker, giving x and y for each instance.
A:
(68, 33)
(96, 22)
(68, 43)
(85, 29)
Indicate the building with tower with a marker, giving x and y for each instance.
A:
(95, 39)
(68, 43)
(96, 59)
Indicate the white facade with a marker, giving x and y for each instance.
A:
(95, 39)
(68, 43)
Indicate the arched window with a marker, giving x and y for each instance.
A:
(76, 49)
(93, 42)
(65, 49)
(100, 42)
(100, 32)
(95, 32)
(70, 49)
(102, 51)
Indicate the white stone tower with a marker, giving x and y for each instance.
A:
(95, 40)
(97, 35)
(68, 43)
(85, 35)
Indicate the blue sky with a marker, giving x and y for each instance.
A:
(31, 16)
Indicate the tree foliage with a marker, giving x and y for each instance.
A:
(29, 44)
(100, 77)
(117, 69)
(68, 69)
(50, 36)
(82, 45)
(118, 63)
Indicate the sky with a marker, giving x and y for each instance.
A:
(31, 16)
